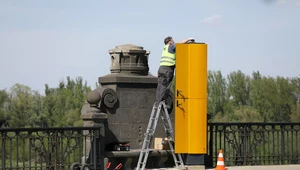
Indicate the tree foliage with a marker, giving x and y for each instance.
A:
(21, 106)
(235, 97)
(255, 98)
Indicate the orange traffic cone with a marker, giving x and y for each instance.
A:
(220, 163)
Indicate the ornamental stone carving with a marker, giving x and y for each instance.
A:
(129, 59)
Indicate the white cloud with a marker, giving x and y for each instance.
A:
(212, 19)
(289, 2)
(282, 1)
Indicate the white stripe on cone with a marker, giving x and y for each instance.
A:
(220, 163)
(221, 155)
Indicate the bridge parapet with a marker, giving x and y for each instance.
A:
(255, 143)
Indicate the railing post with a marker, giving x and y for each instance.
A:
(99, 120)
(54, 146)
(282, 144)
(3, 149)
(93, 152)
(244, 144)
(101, 151)
(211, 141)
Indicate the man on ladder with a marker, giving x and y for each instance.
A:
(166, 69)
(165, 77)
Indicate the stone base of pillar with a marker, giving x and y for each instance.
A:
(129, 159)
(158, 159)
(194, 159)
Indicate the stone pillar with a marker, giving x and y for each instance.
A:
(123, 103)
(94, 114)
(135, 89)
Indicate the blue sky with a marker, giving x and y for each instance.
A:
(46, 41)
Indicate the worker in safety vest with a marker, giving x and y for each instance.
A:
(166, 69)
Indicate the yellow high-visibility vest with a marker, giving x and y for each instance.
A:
(167, 59)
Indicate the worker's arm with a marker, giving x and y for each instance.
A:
(186, 40)
(183, 41)
(172, 48)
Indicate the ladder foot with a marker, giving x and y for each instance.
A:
(151, 130)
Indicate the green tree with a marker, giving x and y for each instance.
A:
(272, 97)
(238, 88)
(63, 104)
(216, 93)
(246, 114)
(284, 100)
(295, 109)
(257, 94)
(23, 106)
(3, 104)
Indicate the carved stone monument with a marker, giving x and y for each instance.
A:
(124, 101)
(136, 89)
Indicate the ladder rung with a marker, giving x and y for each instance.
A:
(156, 111)
(149, 135)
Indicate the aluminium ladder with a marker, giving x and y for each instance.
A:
(148, 136)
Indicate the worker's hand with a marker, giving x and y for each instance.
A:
(187, 40)
(191, 40)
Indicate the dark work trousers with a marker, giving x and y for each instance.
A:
(165, 77)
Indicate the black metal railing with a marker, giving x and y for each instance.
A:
(49, 148)
(60, 148)
(254, 143)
